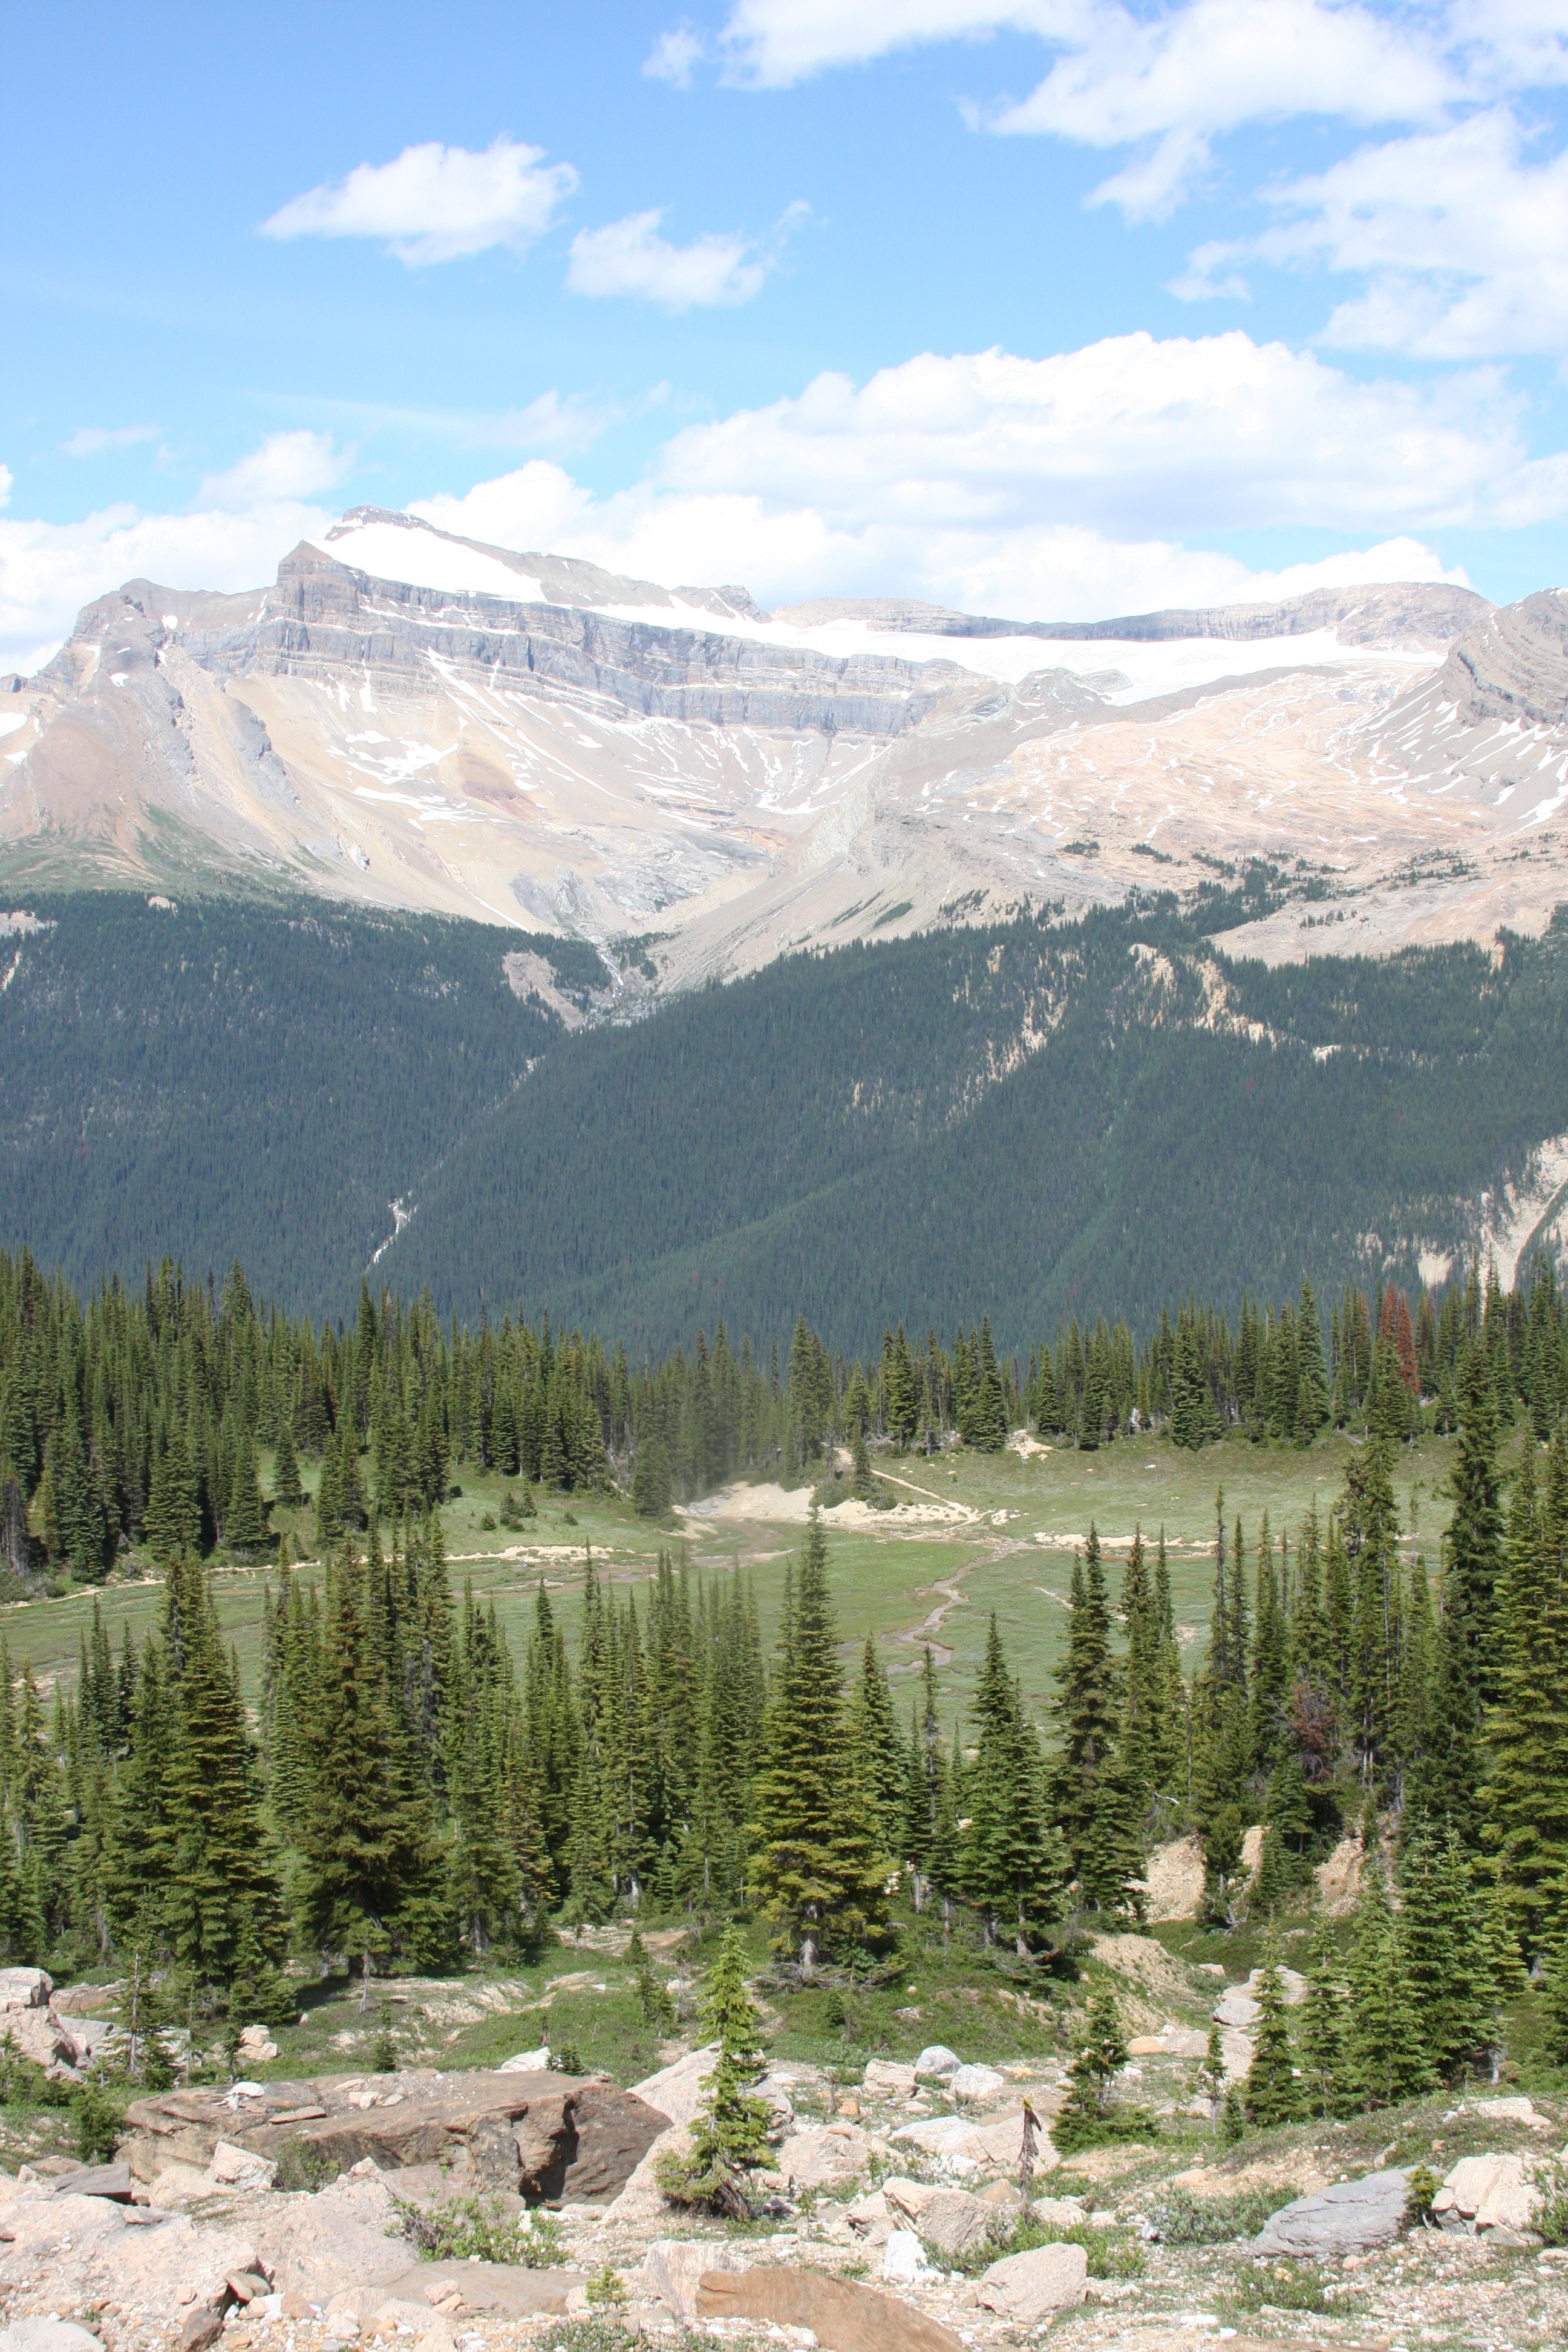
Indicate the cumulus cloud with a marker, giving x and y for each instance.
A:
(1463, 239)
(435, 203)
(1042, 487)
(629, 257)
(92, 440)
(674, 55)
(287, 465)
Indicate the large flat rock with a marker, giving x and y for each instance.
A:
(842, 2314)
(549, 2138)
(1347, 2219)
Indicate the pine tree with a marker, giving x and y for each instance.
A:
(1209, 2076)
(245, 1521)
(817, 1861)
(1014, 1865)
(878, 1750)
(1476, 1557)
(1086, 2116)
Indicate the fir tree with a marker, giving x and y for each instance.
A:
(1321, 2032)
(1386, 2054)
(1271, 2093)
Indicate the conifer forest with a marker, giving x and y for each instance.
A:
(402, 1784)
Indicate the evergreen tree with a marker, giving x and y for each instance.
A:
(1014, 1865)
(1385, 2055)
(1271, 2094)
(817, 1863)
(288, 1490)
(728, 2130)
(1321, 2032)
(1096, 1810)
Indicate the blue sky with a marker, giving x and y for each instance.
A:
(1054, 307)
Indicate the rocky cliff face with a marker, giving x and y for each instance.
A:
(419, 721)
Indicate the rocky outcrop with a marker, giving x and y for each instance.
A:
(1028, 2287)
(544, 2137)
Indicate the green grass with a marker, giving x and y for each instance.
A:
(884, 1576)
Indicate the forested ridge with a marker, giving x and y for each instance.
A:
(1024, 1121)
(407, 1788)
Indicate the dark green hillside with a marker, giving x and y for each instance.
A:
(1021, 1121)
(226, 1079)
(861, 1134)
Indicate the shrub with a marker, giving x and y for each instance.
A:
(99, 2118)
(1551, 2206)
(471, 2228)
(1281, 2287)
(1184, 2220)
(302, 2165)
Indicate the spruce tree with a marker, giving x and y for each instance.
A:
(1385, 2055)
(1271, 2094)
(1096, 1809)
(817, 1863)
(1014, 1865)
(728, 2130)
(1321, 2035)
(288, 1491)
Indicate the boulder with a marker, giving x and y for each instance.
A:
(992, 2145)
(97, 2180)
(1026, 2287)
(24, 1988)
(676, 2091)
(232, 2166)
(642, 2202)
(257, 2047)
(903, 2258)
(544, 2136)
(937, 2063)
(884, 2079)
(47, 2336)
(1507, 2111)
(870, 2218)
(177, 2185)
(1239, 2005)
(977, 2083)
(499, 2290)
(333, 2244)
(96, 2251)
(949, 2221)
(842, 2314)
(527, 2061)
(1486, 2192)
(826, 2154)
(1057, 2212)
(672, 2272)
(38, 2034)
(1347, 2219)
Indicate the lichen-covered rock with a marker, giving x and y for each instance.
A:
(840, 2313)
(826, 2154)
(1488, 2192)
(1347, 2219)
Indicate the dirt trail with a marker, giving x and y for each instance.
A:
(920, 1636)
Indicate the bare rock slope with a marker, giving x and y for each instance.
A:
(412, 720)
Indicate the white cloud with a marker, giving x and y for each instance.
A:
(92, 440)
(774, 44)
(287, 465)
(629, 257)
(436, 204)
(49, 571)
(1046, 488)
(1463, 239)
(673, 55)
(6, 481)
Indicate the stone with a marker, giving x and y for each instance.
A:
(47, 2336)
(673, 2270)
(1026, 2287)
(24, 1988)
(1347, 2219)
(1239, 2005)
(38, 2034)
(1057, 2212)
(869, 2219)
(949, 2220)
(977, 2083)
(840, 2313)
(676, 2091)
(991, 2145)
(97, 2250)
(903, 2258)
(232, 2166)
(177, 2185)
(642, 2202)
(97, 2180)
(1002, 2198)
(1506, 2111)
(257, 2047)
(826, 2154)
(491, 2288)
(334, 2242)
(527, 2061)
(884, 2079)
(544, 2136)
(937, 2063)
(204, 2327)
(1488, 2192)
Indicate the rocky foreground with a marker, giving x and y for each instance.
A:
(889, 2210)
